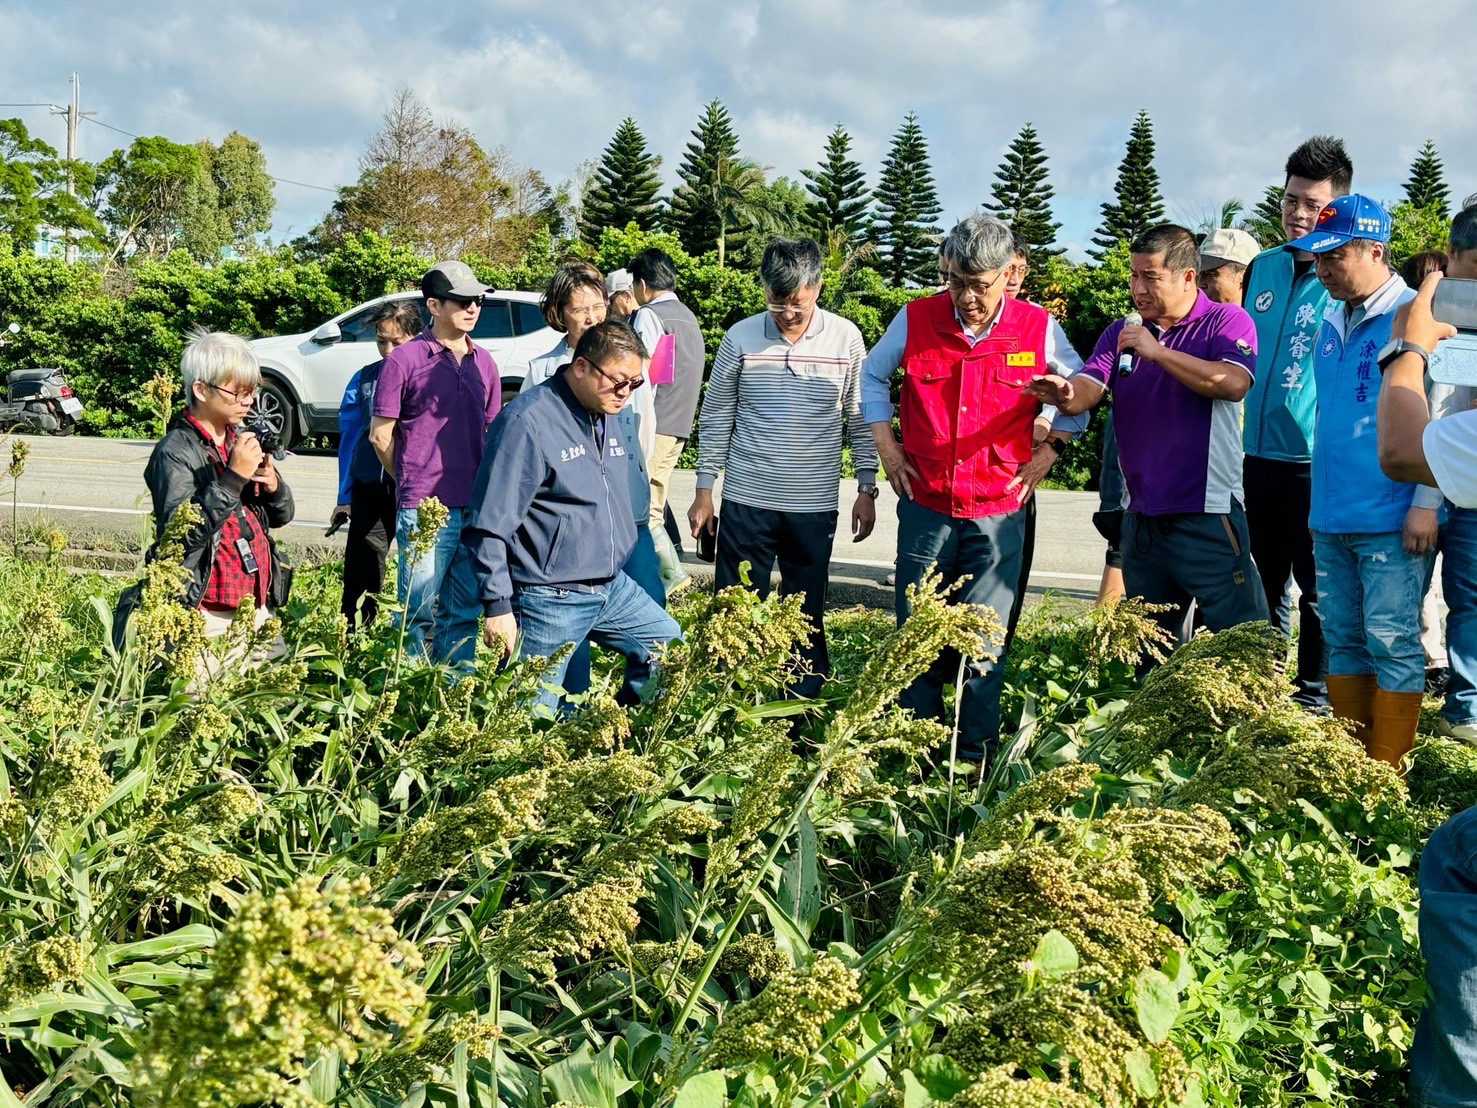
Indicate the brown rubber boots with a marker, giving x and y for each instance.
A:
(1396, 715)
(1352, 697)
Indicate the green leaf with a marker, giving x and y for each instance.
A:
(1055, 955)
(182, 940)
(800, 882)
(943, 1077)
(1140, 1067)
(704, 1090)
(914, 1094)
(1156, 1003)
(583, 1078)
(774, 709)
(1318, 988)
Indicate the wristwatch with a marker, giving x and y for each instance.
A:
(1395, 347)
(869, 490)
(1059, 446)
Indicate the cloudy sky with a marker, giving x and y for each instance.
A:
(1231, 87)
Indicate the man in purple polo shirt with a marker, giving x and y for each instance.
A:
(437, 394)
(1178, 379)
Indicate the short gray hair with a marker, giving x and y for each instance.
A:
(791, 264)
(214, 358)
(978, 244)
(1464, 231)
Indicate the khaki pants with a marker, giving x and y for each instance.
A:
(217, 625)
(659, 469)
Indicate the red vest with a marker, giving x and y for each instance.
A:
(966, 419)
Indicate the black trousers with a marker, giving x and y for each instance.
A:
(371, 529)
(1278, 500)
(801, 542)
(1028, 555)
(1198, 558)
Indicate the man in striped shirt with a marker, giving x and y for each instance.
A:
(784, 385)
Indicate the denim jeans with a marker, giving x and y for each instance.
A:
(1443, 1058)
(1369, 596)
(619, 615)
(643, 568)
(988, 551)
(438, 593)
(1459, 584)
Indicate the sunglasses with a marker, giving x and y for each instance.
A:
(621, 386)
(460, 303)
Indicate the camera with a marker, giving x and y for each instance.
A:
(269, 439)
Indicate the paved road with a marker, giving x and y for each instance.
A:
(90, 485)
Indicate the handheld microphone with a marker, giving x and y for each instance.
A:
(1125, 358)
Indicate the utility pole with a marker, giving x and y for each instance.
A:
(74, 116)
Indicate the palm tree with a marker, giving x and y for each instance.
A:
(741, 200)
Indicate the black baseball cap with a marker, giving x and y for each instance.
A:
(452, 279)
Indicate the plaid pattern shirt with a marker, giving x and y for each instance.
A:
(230, 583)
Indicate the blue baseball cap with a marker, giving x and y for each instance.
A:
(1346, 219)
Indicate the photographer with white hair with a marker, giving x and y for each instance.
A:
(206, 459)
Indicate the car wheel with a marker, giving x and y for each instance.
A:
(274, 404)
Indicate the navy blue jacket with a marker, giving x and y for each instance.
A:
(357, 460)
(552, 502)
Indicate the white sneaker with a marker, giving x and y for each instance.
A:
(1461, 732)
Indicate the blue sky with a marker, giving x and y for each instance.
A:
(1231, 87)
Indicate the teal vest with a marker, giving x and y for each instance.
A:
(1282, 405)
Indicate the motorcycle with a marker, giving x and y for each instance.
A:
(37, 399)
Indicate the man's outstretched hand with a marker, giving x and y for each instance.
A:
(1052, 389)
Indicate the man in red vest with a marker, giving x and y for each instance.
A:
(967, 355)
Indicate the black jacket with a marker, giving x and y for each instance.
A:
(186, 467)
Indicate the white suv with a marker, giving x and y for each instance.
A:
(304, 376)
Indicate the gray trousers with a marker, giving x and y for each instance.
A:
(1198, 558)
(988, 551)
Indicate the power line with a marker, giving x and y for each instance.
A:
(31, 104)
(110, 127)
(279, 180)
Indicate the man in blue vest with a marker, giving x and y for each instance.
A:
(1287, 301)
(1371, 538)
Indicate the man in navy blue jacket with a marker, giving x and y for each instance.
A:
(551, 522)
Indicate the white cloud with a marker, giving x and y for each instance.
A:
(1230, 92)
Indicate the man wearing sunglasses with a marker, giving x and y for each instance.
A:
(551, 522)
(437, 394)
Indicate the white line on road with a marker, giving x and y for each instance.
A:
(315, 523)
(132, 512)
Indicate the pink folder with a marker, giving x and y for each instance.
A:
(663, 370)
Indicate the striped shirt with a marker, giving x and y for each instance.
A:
(773, 414)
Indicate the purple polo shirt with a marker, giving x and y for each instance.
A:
(1180, 451)
(441, 406)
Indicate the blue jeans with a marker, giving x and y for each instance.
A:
(619, 615)
(989, 552)
(1369, 598)
(643, 568)
(1459, 583)
(1443, 1058)
(438, 593)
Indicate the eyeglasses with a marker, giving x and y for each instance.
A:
(238, 397)
(1292, 204)
(965, 288)
(621, 386)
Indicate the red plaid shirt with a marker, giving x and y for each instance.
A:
(229, 582)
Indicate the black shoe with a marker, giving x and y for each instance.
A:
(1436, 680)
